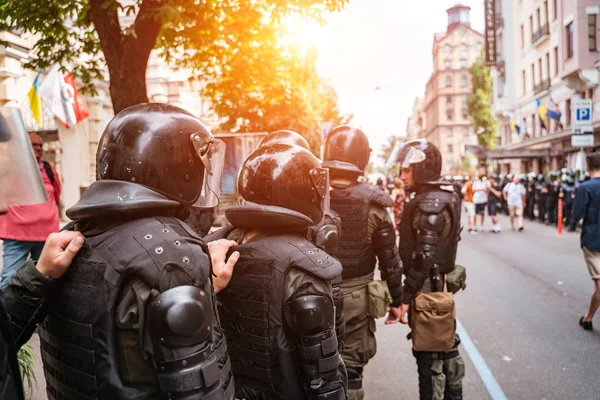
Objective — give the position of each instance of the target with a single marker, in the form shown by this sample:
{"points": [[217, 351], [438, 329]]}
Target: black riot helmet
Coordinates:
{"points": [[424, 157], [285, 137], [346, 149], [285, 176], [164, 148], [540, 177]]}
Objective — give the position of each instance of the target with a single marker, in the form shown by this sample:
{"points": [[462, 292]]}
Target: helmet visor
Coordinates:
{"points": [[212, 153], [20, 179], [410, 155]]}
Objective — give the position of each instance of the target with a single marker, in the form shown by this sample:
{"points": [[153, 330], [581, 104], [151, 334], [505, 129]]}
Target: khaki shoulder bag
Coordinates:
{"points": [[432, 319]]}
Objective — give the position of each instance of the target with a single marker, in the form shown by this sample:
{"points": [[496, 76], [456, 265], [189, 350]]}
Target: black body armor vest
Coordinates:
{"points": [[264, 354], [78, 341], [352, 204], [431, 199]]}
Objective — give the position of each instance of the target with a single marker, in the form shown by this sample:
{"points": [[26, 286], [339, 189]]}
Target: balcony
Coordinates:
{"points": [[540, 87], [540, 35], [499, 22]]}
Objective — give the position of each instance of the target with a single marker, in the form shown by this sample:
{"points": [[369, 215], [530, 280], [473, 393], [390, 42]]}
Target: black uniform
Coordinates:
{"points": [[430, 232], [530, 198], [278, 311], [136, 317], [568, 193], [367, 236], [543, 200], [552, 200]]}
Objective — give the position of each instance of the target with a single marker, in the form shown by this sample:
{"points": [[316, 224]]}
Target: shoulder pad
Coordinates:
{"points": [[435, 201], [375, 195], [218, 234], [309, 258]]}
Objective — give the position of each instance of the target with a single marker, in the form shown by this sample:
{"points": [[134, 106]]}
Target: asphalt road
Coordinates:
{"points": [[525, 294]]}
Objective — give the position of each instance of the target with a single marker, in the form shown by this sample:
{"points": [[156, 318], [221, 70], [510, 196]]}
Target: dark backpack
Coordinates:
{"points": [[51, 176]]}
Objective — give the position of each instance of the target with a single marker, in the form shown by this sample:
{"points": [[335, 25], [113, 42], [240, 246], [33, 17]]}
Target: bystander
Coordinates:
{"points": [[587, 206], [514, 194], [480, 198], [467, 191], [25, 228]]}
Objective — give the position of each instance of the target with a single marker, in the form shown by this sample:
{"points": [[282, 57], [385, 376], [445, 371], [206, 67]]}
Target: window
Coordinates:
{"points": [[448, 99], [447, 48], [449, 132], [447, 64], [556, 61], [463, 47], [592, 32], [449, 115], [466, 132], [540, 70], [448, 82], [531, 26], [533, 76], [464, 81], [548, 65], [554, 10], [478, 46], [464, 98], [538, 18], [464, 114], [522, 36], [568, 112], [545, 11], [569, 40], [463, 63], [524, 81], [450, 149]]}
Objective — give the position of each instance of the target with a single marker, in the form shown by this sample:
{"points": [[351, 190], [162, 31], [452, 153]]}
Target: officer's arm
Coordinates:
{"points": [[24, 300], [309, 315], [429, 228], [180, 326], [386, 248]]}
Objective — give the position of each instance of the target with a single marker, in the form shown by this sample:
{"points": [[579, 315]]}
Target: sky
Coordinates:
{"points": [[377, 55]]}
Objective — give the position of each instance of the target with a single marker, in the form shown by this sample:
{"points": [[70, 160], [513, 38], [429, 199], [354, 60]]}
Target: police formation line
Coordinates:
{"points": [[137, 315]]}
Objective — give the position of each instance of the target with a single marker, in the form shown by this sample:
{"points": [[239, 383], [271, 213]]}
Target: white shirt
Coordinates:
{"points": [[480, 197], [514, 194]]}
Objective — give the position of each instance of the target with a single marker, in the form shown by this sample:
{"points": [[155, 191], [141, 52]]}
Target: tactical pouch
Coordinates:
{"points": [[379, 299], [432, 319]]}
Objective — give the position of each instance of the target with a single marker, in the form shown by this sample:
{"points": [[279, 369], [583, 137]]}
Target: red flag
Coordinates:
{"points": [[81, 110]]}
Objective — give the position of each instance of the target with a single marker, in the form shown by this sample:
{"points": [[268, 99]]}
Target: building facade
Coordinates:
{"points": [[446, 122], [73, 151], [547, 53], [416, 122]]}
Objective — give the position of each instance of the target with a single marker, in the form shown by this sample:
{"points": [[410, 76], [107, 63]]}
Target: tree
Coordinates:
{"points": [[479, 104], [294, 97], [217, 39], [387, 148]]}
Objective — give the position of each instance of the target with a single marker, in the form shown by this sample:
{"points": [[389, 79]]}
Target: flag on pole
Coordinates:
{"points": [[35, 101], [59, 96], [513, 125], [79, 106], [542, 113], [554, 112]]}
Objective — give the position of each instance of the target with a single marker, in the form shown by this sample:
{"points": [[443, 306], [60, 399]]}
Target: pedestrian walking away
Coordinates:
{"points": [[430, 234], [587, 207]]}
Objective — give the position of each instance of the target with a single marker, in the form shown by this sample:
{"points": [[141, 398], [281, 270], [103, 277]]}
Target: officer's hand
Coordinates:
{"points": [[394, 315], [221, 269], [58, 253]]}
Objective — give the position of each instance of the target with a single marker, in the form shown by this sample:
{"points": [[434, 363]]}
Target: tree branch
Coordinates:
{"points": [[146, 27], [105, 18]]}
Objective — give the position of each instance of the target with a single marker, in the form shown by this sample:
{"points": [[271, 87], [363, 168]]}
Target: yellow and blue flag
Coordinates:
{"points": [[513, 125], [35, 101], [543, 113]]}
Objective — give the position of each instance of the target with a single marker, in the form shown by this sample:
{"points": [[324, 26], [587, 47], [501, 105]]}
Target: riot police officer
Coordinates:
{"points": [[544, 188], [552, 199], [367, 236], [567, 193], [278, 310], [430, 233], [530, 196], [325, 234], [136, 317]]}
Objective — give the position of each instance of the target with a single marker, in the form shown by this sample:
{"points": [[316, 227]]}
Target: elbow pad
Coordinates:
{"points": [[311, 320], [384, 242]]}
